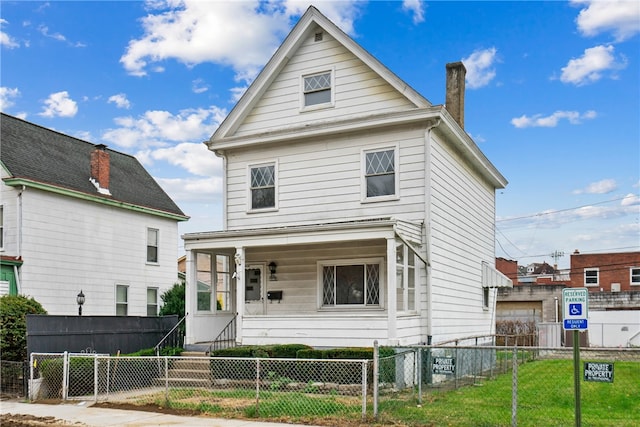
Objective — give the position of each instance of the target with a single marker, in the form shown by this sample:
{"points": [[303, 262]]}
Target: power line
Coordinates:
{"points": [[539, 214]]}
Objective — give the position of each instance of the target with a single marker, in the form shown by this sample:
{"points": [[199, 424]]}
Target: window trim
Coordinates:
{"points": [[250, 167], [382, 284], [126, 302], [591, 269], [303, 106], [408, 267], [631, 275], [157, 246], [363, 174]]}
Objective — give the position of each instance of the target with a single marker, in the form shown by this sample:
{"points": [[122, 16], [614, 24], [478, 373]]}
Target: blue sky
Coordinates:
{"points": [[553, 94]]}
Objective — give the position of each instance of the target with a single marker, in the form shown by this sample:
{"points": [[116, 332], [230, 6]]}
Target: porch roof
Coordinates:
{"points": [[340, 231]]}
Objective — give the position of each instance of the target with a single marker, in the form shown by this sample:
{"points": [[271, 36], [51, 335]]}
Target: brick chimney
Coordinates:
{"points": [[100, 169], [454, 101]]}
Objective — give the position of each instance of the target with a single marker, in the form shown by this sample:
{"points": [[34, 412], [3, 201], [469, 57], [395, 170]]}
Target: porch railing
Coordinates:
{"points": [[226, 338], [173, 338]]}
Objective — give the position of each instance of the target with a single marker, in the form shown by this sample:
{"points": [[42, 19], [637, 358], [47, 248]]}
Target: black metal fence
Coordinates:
{"points": [[14, 378], [95, 334]]}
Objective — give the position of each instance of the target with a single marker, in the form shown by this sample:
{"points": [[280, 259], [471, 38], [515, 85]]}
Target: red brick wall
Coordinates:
{"points": [[613, 268], [509, 268]]}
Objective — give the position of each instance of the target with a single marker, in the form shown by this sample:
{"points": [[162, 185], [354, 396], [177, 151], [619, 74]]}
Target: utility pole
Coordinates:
{"points": [[556, 255]]}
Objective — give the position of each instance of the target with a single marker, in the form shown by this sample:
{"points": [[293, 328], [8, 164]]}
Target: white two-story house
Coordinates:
{"points": [[354, 209], [78, 217]]}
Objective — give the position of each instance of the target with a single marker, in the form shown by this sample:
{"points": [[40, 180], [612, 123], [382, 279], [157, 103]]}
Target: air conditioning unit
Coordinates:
{"points": [[615, 287]]}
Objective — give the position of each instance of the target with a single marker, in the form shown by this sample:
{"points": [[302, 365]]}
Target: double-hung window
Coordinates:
{"points": [[317, 89], [122, 300], [351, 283], [380, 180], [152, 245], [405, 278], [634, 273], [152, 301], [262, 187], [591, 276]]}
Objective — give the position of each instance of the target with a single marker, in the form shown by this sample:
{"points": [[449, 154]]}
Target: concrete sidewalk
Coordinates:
{"points": [[83, 413]]}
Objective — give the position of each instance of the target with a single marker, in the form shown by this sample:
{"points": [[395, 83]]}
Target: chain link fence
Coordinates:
{"points": [[501, 386], [250, 387]]}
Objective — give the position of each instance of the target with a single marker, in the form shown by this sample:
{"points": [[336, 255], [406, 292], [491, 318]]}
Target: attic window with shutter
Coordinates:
{"points": [[317, 90]]}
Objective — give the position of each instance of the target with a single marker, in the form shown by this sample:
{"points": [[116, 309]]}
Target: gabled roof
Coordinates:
{"points": [[308, 23], [38, 157]]}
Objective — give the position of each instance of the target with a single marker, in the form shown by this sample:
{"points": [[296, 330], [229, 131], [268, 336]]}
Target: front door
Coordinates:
{"points": [[254, 290]]}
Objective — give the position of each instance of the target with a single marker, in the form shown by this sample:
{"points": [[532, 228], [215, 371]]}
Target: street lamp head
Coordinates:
{"points": [[80, 298]]}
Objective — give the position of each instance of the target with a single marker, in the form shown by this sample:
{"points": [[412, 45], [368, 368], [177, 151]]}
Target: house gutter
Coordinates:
{"points": [[427, 226]]}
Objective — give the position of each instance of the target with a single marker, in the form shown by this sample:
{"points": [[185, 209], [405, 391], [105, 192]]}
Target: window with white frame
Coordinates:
{"points": [[204, 275], [485, 297], [152, 301], [317, 89], [405, 278], [591, 276], [152, 245], [380, 178], [122, 300], [351, 283], [223, 283], [634, 273], [262, 180]]}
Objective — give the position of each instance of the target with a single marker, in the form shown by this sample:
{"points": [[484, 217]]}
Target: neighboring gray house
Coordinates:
{"points": [[354, 209], [78, 216]]}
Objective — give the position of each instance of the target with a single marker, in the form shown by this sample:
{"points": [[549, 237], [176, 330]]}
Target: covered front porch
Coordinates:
{"points": [[329, 285]]}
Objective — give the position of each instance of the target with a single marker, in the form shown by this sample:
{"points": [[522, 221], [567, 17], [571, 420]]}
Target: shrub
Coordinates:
{"points": [[13, 325]]}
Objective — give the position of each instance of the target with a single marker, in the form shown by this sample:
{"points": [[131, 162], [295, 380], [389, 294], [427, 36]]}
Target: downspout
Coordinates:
{"points": [[427, 226], [16, 271]]}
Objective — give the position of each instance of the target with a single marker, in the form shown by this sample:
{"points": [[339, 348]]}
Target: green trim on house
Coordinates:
{"points": [[15, 182]]}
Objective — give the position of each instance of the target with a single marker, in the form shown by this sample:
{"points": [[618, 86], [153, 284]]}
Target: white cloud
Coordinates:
{"points": [[59, 105], [161, 128], [199, 86], [6, 97], [479, 67], [192, 189], [590, 67], [630, 200], [197, 159], [416, 7], [538, 120], [600, 187], [620, 17], [44, 30], [240, 34], [120, 100], [5, 39]]}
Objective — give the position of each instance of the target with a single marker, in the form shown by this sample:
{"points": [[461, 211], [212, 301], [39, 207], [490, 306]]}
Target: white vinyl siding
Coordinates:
{"points": [[105, 244], [322, 180], [462, 237], [1, 227], [357, 89]]}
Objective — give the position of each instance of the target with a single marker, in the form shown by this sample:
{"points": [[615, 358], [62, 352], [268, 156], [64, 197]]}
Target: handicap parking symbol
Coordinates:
{"points": [[575, 309]]}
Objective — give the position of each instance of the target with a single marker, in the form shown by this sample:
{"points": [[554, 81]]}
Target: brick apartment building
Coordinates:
{"points": [[606, 272]]}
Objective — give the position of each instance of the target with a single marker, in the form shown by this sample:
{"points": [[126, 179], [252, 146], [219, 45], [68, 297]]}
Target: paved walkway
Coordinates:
{"points": [[82, 412]]}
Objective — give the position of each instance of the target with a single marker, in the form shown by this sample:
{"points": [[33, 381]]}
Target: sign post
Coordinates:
{"points": [[575, 313]]}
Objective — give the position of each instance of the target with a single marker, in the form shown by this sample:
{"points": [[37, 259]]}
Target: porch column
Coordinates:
{"points": [[191, 288], [239, 275], [392, 334]]}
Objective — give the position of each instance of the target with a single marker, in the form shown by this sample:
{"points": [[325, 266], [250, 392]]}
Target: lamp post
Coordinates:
{"points": [[80, 301]]}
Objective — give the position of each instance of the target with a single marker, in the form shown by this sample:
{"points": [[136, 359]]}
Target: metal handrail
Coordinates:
{"points": [[227, 335], [170, 333]]}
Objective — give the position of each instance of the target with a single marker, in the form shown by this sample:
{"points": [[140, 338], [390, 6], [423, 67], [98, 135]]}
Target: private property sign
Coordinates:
{"points": [[575, 302], [599, 372], [444, 365]]}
